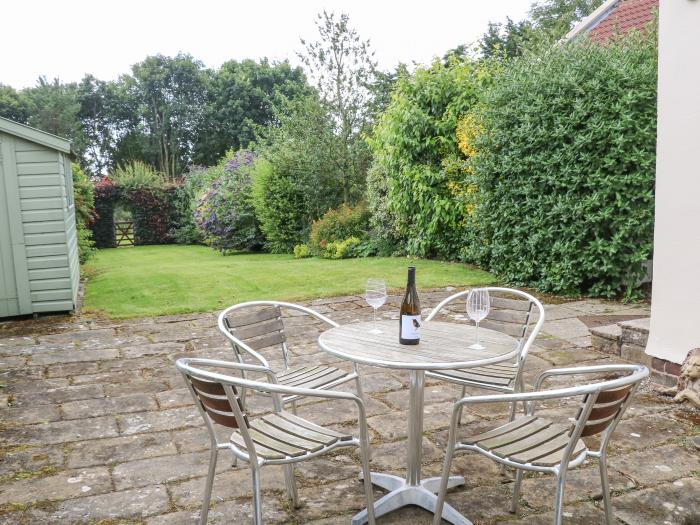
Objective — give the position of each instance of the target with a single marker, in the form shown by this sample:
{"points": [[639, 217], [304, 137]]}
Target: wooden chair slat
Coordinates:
{"points": [[217, 403], [226, 420], [509, 304], [312, 426], [291, 373], [506, 328], [514, 435], [543, 450], [555, 457], [310, 446], [264, 314], [322, 380], [266, 341], [262, 451], [275, 444], [532, 441], [307, 433], [517, 423], [207, 387], [601, 412], [607, 396], [309, 373], [256, 330]]}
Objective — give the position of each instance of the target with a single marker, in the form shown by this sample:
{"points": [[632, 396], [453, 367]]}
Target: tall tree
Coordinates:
{"points": [[13, 105], [557, 17], [240, 98], [342, 65], [505, 40], [172, 93]]}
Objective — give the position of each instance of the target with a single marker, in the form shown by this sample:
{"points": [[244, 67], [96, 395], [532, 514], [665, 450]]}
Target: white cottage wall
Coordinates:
{"points": [[675, 306]]}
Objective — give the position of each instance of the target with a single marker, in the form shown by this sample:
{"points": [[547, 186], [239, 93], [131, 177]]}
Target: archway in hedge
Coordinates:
{"points": [[152, 211]]}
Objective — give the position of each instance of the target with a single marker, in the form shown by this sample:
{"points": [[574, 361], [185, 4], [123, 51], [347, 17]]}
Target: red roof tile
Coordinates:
{"points": [[625, 16]]}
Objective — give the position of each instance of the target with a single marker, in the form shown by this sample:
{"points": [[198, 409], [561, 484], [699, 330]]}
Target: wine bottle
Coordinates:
{"points": [[409, 317]]}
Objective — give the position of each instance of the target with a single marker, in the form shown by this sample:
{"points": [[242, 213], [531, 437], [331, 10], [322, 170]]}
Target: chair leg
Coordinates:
{"points": [[291, 485], [559, 500], [516, 491], [208, 486], [294, 407], [257, 499], [442, 493], [464, 393], [602, 463]]}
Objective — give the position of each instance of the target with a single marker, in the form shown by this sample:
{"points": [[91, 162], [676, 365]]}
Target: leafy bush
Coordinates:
{"points": [[224, 214], [84, 199], [302, 251], [298, 176], [341, 249], [153, 213], [106, 195], [423, 200], [338, 224], [565, 168], [137, 175]]}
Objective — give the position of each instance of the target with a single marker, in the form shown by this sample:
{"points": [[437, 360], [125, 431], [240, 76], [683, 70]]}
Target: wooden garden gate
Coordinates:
{"points": [[124, 231]]}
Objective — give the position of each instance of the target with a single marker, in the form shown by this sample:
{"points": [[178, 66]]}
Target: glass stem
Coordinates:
{"points": [[477, 333], [375, 318]]}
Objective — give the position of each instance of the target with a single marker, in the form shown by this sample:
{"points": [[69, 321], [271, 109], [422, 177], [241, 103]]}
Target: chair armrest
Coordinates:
{"points": [[596, 369]]}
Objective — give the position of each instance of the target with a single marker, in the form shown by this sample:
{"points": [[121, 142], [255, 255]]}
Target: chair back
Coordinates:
{"points": [[512, 312], [601, 410], [259, 329], [218, 401]]}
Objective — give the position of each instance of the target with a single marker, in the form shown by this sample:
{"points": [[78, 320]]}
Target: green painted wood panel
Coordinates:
{"points": [[50, 273], [53, 306], [36, 155], [9, 304], [36, 168], [42, 204], [62, 283], [48, 249], [19, 255], [44, 227], [41, 239], [51, 295], [35, 192], [36, 263], [55, 214], [39, 180]]}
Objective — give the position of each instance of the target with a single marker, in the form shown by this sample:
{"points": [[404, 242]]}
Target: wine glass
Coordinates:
{"points": [[375, 295], [478, 305]]}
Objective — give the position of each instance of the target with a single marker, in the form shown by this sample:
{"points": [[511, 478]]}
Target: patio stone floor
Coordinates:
{"points": [[97, 427]]}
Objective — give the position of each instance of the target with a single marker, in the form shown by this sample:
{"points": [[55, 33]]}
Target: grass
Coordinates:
{"points": [[159, 280]]}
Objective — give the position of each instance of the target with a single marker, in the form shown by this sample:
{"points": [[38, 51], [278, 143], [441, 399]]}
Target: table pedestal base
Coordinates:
{"points": [[402, 494]]}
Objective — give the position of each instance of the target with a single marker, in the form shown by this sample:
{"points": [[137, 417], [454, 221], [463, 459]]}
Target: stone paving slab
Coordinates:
{"points": [[96, 426]]}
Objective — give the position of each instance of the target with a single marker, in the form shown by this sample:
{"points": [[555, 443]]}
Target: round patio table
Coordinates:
{"points": [[442, 346]]}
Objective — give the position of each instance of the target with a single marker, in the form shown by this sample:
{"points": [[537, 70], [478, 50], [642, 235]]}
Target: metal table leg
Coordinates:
{"points": [[412, 490]]}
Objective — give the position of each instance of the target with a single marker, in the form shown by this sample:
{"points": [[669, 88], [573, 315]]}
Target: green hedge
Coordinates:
{"points": [[419, 200], [565, 168]]}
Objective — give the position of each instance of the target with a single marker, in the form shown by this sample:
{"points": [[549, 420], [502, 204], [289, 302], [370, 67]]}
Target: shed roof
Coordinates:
{"points": [[34, 135], [615, 17]]}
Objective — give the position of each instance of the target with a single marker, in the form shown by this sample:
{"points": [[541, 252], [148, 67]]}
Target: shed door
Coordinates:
{"points": [[9, 304]]}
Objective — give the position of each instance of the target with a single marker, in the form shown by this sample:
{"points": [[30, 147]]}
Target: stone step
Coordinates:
{"points": [[607, 338]]}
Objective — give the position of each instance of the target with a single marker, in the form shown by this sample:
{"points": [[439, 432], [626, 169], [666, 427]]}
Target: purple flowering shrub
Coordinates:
{"points": [[223, 213]]}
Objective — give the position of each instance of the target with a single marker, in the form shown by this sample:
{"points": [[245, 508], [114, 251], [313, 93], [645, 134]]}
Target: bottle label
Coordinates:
{"points": [[410, 326]]}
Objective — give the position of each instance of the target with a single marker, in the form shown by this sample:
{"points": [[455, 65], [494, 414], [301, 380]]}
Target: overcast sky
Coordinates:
{"points": [[71, 38]]}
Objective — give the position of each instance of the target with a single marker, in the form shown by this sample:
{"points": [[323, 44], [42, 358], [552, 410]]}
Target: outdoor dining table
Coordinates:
{"points": [[442, 346]]}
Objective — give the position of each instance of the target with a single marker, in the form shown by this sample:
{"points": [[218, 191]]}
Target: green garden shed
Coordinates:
{"points": [[39, 267]]}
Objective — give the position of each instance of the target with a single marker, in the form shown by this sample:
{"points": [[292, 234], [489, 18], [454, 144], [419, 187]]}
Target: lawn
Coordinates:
{"points": [[159, 280]]}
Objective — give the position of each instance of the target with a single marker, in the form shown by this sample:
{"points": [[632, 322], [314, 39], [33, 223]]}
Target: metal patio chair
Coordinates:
{"points": [[257, 325], [277, 438], [536, 444], [509, 316]]}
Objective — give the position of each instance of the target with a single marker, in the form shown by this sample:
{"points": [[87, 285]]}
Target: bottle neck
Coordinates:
{"points": [[411, 276]]}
